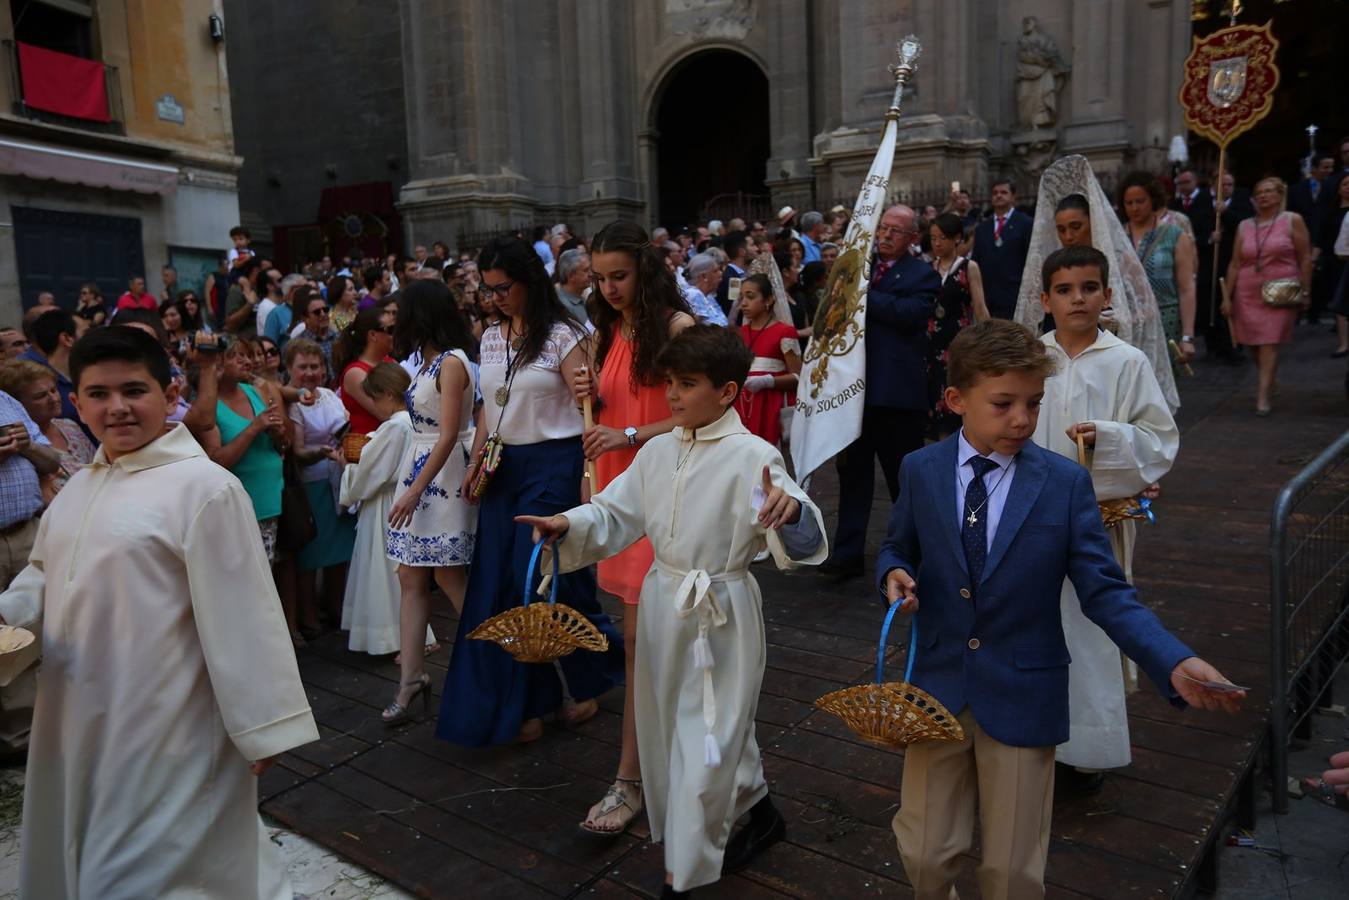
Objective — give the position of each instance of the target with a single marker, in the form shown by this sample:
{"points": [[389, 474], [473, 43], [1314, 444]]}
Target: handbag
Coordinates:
{"points": [[485, 466], [1281, 293], [489, 457], [296, 526]]}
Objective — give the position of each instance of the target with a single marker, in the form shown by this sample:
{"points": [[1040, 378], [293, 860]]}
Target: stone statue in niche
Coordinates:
{"points": [[703, 19], [1040, 71]]}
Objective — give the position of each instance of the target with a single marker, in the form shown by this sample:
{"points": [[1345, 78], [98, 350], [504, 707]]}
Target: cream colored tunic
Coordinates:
{"points": [[692, 494], [372, 599], [1112, 385], [167, 667]]}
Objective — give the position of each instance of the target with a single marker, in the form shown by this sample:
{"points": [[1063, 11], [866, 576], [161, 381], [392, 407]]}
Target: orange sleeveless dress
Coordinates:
{"points": [[622, 574]]}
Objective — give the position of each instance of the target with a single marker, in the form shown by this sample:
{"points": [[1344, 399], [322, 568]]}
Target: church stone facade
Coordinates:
{"points": [[525, 111]]}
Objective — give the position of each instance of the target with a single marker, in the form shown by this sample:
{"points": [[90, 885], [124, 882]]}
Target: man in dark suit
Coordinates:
{"points": [[900, 300], [736, 247], [1196, 202], [1001, 243], [1304, 198]]}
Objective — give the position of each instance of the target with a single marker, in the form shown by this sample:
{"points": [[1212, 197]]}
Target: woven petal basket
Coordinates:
{"points": [[541, 632], [352, 445], [895, 713]]}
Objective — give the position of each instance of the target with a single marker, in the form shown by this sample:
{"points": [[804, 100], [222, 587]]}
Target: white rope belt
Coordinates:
{"points": [[694, 596]]}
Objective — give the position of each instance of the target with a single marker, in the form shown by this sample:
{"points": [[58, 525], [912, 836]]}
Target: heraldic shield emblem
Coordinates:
{"points": [[1230, 77], [1226, 81]]}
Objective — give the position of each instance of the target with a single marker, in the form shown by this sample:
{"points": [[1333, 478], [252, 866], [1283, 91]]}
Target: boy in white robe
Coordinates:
{"points": [[710, 496], [1104, 390], [168, 679], [370, 606]]}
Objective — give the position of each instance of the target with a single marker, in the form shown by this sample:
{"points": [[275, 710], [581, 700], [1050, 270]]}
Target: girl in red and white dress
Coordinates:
{"points": [[771, 385]]}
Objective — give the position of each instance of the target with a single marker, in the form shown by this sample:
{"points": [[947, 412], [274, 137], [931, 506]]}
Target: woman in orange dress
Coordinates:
{"points": [[639, 309]]}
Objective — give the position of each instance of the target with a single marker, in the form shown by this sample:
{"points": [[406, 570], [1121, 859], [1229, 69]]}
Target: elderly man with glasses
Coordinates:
{"points": [[319, 329], [900, 301]]}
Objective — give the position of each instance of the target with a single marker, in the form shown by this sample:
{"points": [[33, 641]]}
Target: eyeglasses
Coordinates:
{"points": [[500, 290], [318, 311], [271, 351]]}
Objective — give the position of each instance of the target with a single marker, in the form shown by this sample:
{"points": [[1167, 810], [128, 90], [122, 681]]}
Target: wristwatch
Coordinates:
{"points": [[1187, 339], [631, 434]]}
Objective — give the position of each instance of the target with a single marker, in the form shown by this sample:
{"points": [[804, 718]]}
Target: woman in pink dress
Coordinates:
{"points": [[771, 385], [1271, 246], [639, 310]]}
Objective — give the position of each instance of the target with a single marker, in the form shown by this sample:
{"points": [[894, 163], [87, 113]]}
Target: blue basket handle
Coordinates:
{"points": [[885, 637], [533, 567]]}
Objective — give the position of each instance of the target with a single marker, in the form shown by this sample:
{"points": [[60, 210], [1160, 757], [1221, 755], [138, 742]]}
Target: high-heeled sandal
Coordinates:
{"points": [[614, 800], [396, 713]]}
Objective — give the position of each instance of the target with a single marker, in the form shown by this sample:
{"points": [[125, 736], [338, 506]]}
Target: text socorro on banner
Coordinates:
{"points": [[832, 388]]}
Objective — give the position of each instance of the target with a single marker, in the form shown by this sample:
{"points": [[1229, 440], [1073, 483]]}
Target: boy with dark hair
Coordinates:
{"points": [[168, 679], [1012, 521], [1106, 393], [710, 495], [240, 252]]}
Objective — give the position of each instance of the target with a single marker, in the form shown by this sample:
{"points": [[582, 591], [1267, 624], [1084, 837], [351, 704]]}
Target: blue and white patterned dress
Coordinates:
{"points": [[442, 529]]}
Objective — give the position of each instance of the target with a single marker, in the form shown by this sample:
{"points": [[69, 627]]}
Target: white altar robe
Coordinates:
{"points": [[1112, 385], [167, 667], [372, 599], [691, 495]]}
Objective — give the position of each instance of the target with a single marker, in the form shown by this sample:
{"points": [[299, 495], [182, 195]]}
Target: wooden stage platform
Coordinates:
{"points": [[443, 821]]}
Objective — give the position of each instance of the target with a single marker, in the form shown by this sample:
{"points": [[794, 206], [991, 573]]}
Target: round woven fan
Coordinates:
{"points": [[1115, 511], [541, 632], [894, 713], [352, 445]]}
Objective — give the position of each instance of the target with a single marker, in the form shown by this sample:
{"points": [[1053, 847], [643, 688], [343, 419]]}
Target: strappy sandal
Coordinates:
{"points": [[574, 713], [614, 800]]}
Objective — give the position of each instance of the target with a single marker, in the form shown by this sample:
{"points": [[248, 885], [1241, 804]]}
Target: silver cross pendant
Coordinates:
{"points": [[972, 519]]}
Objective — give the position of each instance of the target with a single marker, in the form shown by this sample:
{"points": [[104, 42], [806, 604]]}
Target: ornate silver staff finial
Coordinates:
{"points": [[907, 52]]}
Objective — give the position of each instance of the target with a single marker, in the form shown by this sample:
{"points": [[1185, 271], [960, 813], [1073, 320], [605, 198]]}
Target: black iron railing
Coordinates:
{"points": [[1309, 621]]}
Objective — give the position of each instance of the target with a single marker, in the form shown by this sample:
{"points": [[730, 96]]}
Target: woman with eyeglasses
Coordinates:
{"points": [[189, 307], [528, 363], [366, 342], [91, 305], [172, 317]]}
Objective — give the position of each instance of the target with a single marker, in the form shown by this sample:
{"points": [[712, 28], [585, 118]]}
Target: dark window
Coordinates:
{"points": [[55, 27]]}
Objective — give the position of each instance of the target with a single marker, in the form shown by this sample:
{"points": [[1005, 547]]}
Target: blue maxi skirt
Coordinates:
{"points": [[488, 695]]}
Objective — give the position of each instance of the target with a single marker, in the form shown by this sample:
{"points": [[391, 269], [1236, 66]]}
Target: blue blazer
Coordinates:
{"points": [[898, 309], [1002, 652], [1001, 267]]}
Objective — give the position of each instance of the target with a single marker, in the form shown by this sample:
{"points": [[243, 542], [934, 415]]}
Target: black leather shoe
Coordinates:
{"points": [[752, 840], [841, 569], [1069, 782]]}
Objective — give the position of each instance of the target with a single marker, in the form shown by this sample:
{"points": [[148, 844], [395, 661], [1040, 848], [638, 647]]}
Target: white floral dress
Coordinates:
{"points": [[441, 532]]}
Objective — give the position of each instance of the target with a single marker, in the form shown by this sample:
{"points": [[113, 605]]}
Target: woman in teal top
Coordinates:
{"points": [[246, 434], [1167, 254]]}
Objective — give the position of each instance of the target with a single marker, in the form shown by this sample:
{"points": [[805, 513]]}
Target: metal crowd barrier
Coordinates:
{"points": [[1309, 604]]}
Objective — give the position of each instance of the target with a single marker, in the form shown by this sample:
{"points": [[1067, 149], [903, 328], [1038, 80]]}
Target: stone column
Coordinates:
{"points": [[1097, 94], [609, 185]]}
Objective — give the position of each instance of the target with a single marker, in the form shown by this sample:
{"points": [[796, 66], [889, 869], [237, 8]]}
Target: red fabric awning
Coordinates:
{"points": [[64, 84]]}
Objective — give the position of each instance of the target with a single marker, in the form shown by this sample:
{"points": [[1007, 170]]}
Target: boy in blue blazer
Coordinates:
{"points": [[986, 528]]}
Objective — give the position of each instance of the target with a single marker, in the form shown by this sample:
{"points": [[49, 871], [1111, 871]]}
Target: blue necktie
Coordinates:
{"points": [[974, 525]]}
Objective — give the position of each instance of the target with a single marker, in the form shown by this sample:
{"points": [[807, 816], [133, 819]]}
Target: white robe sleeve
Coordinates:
{"points": [[610, 523], [21, 604], [377, 468], [781, 555], [1140, 446], [243, 635]]}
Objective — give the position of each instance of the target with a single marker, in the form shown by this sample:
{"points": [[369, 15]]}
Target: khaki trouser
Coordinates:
{"points": [[1014, 790], [18, 692]]}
